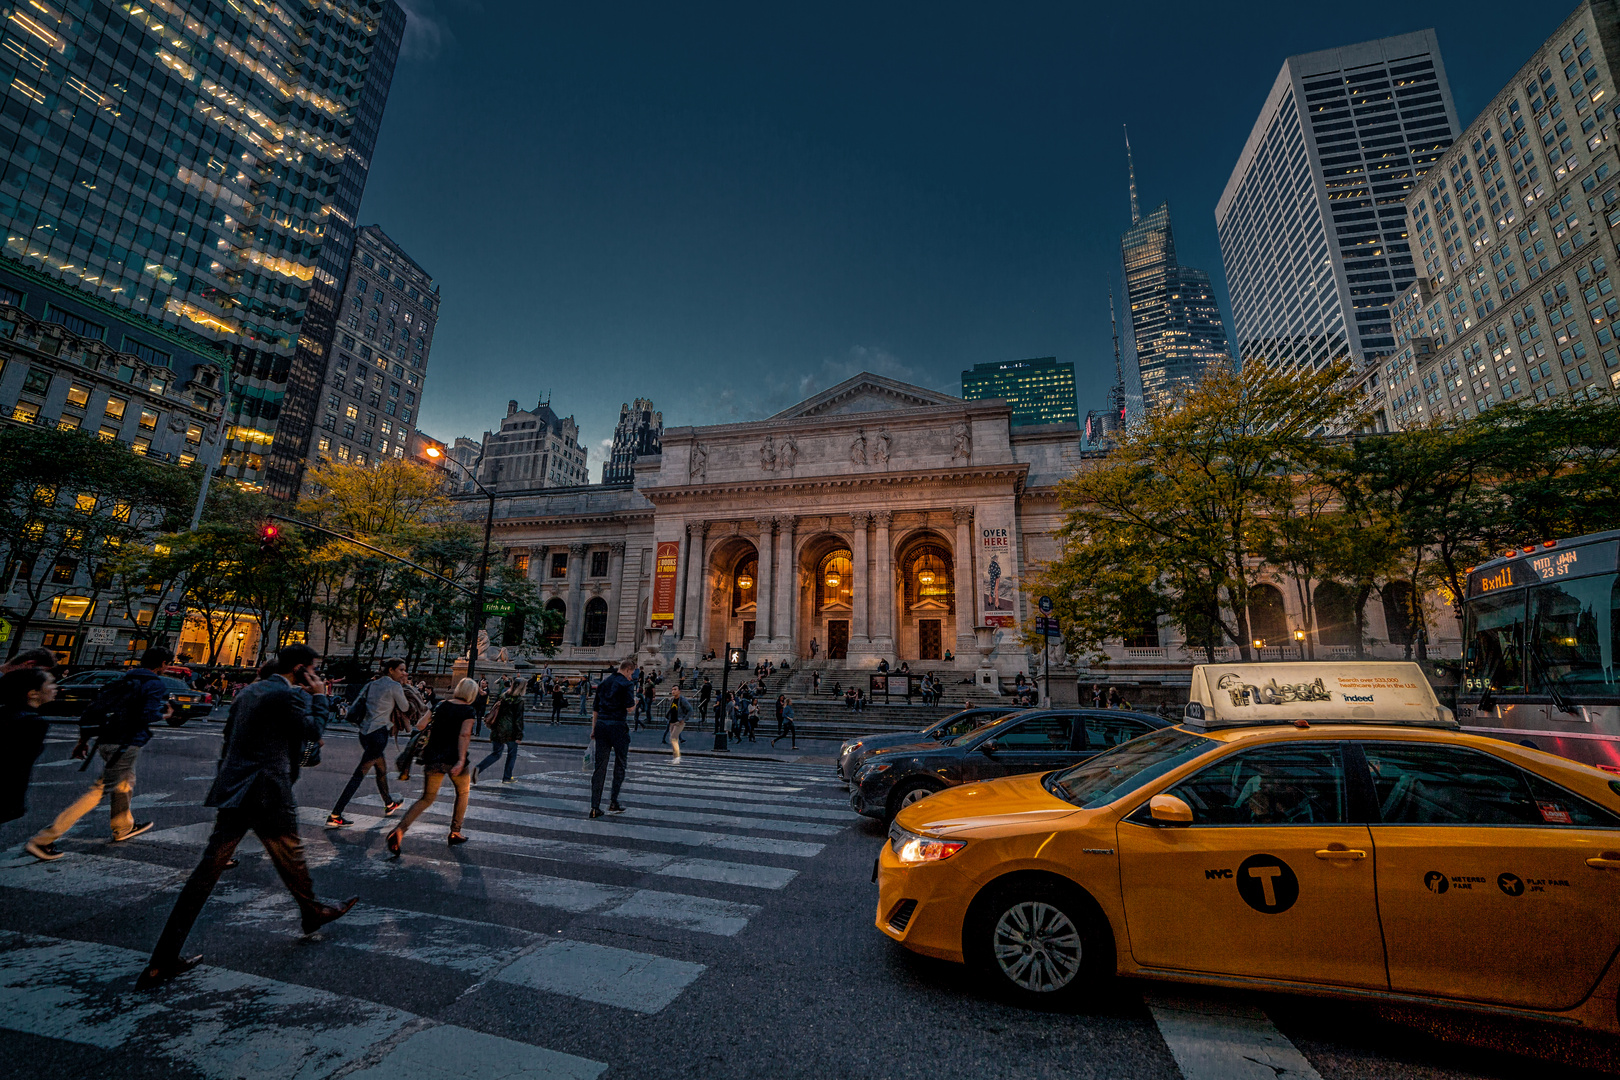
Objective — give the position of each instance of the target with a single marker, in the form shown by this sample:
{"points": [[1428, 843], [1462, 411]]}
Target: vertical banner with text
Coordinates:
{"points": [[997, 575], [663, 595]]}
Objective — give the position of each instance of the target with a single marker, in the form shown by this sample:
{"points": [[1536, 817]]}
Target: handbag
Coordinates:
{"points": [[312, 754], [588, 762]]}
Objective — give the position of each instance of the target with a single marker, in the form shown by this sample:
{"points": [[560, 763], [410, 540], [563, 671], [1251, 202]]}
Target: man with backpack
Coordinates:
{"points": [[120, 722], [373, 711], [271, 725]]}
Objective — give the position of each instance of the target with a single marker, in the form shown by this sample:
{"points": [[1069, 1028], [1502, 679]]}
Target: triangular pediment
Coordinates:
{"points": [[866, 393]]}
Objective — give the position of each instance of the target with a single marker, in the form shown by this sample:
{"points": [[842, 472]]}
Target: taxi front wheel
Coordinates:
{"points": [[1039, 941]]}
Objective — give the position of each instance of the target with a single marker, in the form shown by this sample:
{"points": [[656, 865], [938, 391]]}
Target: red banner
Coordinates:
{"points": [[663, 595]]}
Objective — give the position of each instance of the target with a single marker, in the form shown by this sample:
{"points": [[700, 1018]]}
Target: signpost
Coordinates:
{"points": [[1046, 625], [497, 606]]}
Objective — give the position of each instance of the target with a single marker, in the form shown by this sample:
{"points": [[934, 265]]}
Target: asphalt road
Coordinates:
{"points": [[722, 928]]}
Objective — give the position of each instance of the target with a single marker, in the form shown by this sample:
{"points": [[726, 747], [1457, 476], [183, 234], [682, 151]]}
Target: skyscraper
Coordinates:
{"points": [[201, 170], [1313, 223], [1104, 426], [640, 431], [1040, 391], [534, 448], [374, 383], [1176, 327]]}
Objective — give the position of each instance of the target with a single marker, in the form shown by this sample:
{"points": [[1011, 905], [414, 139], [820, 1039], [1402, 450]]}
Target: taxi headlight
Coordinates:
{"points": [[912, 849], [871, 769], [849, 747]]}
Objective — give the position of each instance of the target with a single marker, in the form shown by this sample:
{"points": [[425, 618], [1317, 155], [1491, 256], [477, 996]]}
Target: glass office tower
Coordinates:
{"points": [[200, 165], [1175, 321], [1040, 391], [1313, 221]]}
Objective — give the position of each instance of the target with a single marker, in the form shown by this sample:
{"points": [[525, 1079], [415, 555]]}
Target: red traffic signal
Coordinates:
{"points": [[269, 533]]}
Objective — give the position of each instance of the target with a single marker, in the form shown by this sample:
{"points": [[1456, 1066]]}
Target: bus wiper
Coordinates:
{"points": [[1560, 702]]}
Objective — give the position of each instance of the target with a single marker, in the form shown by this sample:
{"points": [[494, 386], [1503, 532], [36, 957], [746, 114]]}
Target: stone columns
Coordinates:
{"points": [[691, 573], [859, 631], [786, 607], [700, 622], [883, 590], [576, 579], [616, 575], [962, 569], [762, 585], [537, 564]]}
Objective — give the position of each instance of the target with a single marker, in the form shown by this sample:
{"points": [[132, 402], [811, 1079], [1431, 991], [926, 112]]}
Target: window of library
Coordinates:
{"points": [[599, 564], [559, 564]]}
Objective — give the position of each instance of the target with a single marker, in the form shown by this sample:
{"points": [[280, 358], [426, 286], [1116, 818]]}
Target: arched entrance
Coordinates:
{"points": [[1268, 619], [733, 595], [927, 598], [826, 597]]}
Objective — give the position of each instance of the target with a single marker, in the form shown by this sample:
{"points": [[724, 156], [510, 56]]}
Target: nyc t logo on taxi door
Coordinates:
{"points": [[1267, 884]]}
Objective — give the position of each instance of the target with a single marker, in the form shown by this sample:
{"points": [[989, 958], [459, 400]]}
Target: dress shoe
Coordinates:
{"points": [[322, 915], [154, 977]]}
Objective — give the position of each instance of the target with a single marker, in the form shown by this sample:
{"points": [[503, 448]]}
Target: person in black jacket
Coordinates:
{"points": [[23, 692], [269, 724], [139, 700], [611, 731]]}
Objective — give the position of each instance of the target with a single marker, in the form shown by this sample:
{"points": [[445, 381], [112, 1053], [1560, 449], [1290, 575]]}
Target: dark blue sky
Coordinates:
{"points": [[728, 208]]}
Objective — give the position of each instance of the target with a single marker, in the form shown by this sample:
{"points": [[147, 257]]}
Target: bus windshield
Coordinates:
{"points": [[1495, 643], [1574, 627]]}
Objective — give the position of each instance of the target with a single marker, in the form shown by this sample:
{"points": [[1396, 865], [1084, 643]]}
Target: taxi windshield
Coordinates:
{"points": [[1116, 773]]}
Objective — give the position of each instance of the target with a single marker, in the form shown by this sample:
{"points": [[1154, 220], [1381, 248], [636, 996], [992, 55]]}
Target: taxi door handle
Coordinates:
{"points": [[1609, 860], [1341, 853]]}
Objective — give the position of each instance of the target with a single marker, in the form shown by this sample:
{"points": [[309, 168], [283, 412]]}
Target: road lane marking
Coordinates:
{"points": [[646, 795], [89, 875], [1225, 1040], [681, 817], [449, 1052], [629, 980]]}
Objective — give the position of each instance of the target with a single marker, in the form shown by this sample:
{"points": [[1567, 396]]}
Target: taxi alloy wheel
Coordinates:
{"points": [[1037, 947]]}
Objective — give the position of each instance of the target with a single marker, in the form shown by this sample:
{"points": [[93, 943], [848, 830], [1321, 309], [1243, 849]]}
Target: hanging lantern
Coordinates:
{"points": [[925, 576], [745, 581], [833, 580]]}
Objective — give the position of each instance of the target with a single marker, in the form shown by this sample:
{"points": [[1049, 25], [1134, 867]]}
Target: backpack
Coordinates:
{"points": [[358, 707], [114, 714]]}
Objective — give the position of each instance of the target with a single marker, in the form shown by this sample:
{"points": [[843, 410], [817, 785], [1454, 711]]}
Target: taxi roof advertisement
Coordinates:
{"points": [[1381, 692]]}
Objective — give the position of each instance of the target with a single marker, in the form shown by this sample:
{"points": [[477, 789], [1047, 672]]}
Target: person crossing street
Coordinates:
{"points": [[679, 712], [383, 696], [610, 730], [270, 723], [505, 732]]}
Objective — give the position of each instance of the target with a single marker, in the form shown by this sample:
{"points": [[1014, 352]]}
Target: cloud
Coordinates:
{"points": [[427, 32]]}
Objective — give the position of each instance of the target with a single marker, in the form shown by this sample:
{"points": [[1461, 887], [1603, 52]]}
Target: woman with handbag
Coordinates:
{"points": [[449, 731], [505, 732]]}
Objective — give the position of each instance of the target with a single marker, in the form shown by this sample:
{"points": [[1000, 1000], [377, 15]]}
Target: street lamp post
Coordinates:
{"points": [[433, 453]]}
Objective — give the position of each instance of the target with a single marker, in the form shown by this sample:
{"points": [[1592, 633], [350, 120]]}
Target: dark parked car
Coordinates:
{"points": [[1034, 741], [76, 692], [856, 751]]}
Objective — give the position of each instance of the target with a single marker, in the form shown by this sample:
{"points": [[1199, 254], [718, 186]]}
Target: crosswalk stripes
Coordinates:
{"points": [[525, 820]]}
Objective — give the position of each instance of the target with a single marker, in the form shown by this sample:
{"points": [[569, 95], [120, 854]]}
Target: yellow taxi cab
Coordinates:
{"points": [[1316, 828]]}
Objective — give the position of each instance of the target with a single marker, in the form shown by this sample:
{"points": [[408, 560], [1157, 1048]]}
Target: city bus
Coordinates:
{"points": [[1541, 640]]}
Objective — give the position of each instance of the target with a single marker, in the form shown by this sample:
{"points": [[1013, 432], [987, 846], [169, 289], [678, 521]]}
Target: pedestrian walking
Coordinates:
{"points": [[679, 712], [585, 695], [505, 732], [270, 723], [23, 692], [481, 704], [558, 703], [1113, 697], [120, 722], [784, 725], [30, 658], [379, 700], [705, 697], [449, 731], [611, 731]]}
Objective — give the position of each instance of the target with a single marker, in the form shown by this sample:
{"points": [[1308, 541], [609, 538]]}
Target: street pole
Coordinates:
{"points": [[725, 679], [478, 601]]}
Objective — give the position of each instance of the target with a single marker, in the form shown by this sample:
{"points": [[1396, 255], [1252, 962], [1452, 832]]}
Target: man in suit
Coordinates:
{"points": [[269, 724]]}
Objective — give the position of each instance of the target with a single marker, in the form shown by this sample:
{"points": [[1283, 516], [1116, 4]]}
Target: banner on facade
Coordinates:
{"points": [[663, 597], [997, 580]]}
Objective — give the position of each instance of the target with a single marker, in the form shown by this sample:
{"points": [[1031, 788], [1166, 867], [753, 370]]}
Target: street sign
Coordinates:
{"points": [[169, 623], [1047, 626], [1046, 605], [171, 609], [101, 635], [499, 607]]}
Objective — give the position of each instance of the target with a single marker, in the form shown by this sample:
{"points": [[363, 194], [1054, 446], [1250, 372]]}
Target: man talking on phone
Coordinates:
{"points": [[269, 724]]}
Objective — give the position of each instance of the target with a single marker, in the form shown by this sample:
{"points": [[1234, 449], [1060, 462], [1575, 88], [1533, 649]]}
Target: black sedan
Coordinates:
{"points": [[76, 692], [1028, 742], [856, 751]]}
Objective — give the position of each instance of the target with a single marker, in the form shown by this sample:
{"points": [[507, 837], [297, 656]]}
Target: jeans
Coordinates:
{"points": [[286, 853], [675, 730], [432, 780], [495, 751], [118, 775], [373, 751], [556, 712], [614, 735]]}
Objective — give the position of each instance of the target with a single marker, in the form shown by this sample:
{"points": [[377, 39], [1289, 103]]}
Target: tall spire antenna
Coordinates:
{"points": [[1136, 213]]}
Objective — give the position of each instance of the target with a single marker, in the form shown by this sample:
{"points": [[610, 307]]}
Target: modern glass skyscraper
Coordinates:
{"points": [[1176, 327], [200, 165], [1040, 391], [1313, 222]]}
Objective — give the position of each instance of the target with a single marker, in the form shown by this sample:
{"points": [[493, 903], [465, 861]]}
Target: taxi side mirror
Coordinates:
{"points": [[1169, 810], [988, 748]]}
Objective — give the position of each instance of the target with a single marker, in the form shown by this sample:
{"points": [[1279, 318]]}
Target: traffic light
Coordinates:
{"points": [[269, 533]]}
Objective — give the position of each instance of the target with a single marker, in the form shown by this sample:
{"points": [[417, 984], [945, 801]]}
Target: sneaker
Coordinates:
{"points": [[508, 780], [136, 830], [615, 808], [596, 812], [392, 806], [337, 821], [475, 776], [43, 852]]}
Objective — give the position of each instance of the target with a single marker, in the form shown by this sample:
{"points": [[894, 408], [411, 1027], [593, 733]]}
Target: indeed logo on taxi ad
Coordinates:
{"points": [[1358, 697]]}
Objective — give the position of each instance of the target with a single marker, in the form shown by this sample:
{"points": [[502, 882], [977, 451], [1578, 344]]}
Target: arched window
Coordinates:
{"points": [[595, 632], [834, 584], [744, 585], [1268, 620], [928, 578], [1335, 615], [1398, 612], [554, 634]]}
